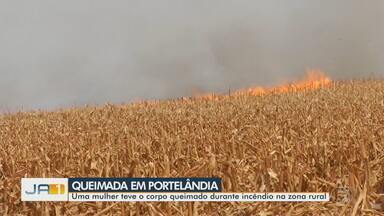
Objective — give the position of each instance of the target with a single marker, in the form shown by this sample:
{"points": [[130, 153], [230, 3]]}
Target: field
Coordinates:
{"points": [[317, 140]]}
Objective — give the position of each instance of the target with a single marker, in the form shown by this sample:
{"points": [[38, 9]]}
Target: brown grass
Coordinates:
{"points": [[312, 141]]}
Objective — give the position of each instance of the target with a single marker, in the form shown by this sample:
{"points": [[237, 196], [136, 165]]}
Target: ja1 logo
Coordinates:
{"points": [[47, 188], [44, 189]]}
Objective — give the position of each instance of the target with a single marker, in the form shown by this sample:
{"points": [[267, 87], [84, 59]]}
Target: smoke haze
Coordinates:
{"points": [[74, 52]]}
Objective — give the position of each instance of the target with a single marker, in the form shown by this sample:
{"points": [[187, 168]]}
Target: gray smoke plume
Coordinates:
{"points": [[74, 52]]}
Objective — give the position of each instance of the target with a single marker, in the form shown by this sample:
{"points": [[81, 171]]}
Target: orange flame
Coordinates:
{"points": [[315, 79]]}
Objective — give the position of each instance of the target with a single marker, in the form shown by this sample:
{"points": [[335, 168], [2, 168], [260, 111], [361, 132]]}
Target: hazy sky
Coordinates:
{"points": [[75, 52]]}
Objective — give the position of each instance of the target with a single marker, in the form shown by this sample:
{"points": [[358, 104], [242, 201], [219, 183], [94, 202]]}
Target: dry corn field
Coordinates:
{"points": [[324, 140]]}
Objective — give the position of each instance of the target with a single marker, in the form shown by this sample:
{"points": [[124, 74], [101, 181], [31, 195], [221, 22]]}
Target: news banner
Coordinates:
{"points": [[148, 190]]}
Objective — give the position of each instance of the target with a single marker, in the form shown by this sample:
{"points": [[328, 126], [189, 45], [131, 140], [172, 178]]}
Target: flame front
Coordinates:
{"points": [[314, 79]]}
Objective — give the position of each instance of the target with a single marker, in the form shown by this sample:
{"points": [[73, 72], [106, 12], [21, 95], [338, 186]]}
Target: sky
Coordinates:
{"points": [[69, 53]]}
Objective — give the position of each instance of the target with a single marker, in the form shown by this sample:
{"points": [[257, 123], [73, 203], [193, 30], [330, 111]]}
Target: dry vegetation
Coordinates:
{"points": [[309, 141]]}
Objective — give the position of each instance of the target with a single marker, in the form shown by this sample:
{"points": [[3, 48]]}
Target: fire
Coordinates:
{"points": [[314, 79]]}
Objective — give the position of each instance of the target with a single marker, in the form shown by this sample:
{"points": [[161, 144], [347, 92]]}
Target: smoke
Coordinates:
{"points": [[68, 53]]}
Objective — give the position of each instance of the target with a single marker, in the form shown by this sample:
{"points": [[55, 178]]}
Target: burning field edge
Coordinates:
{"points": [[326, 138]]}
